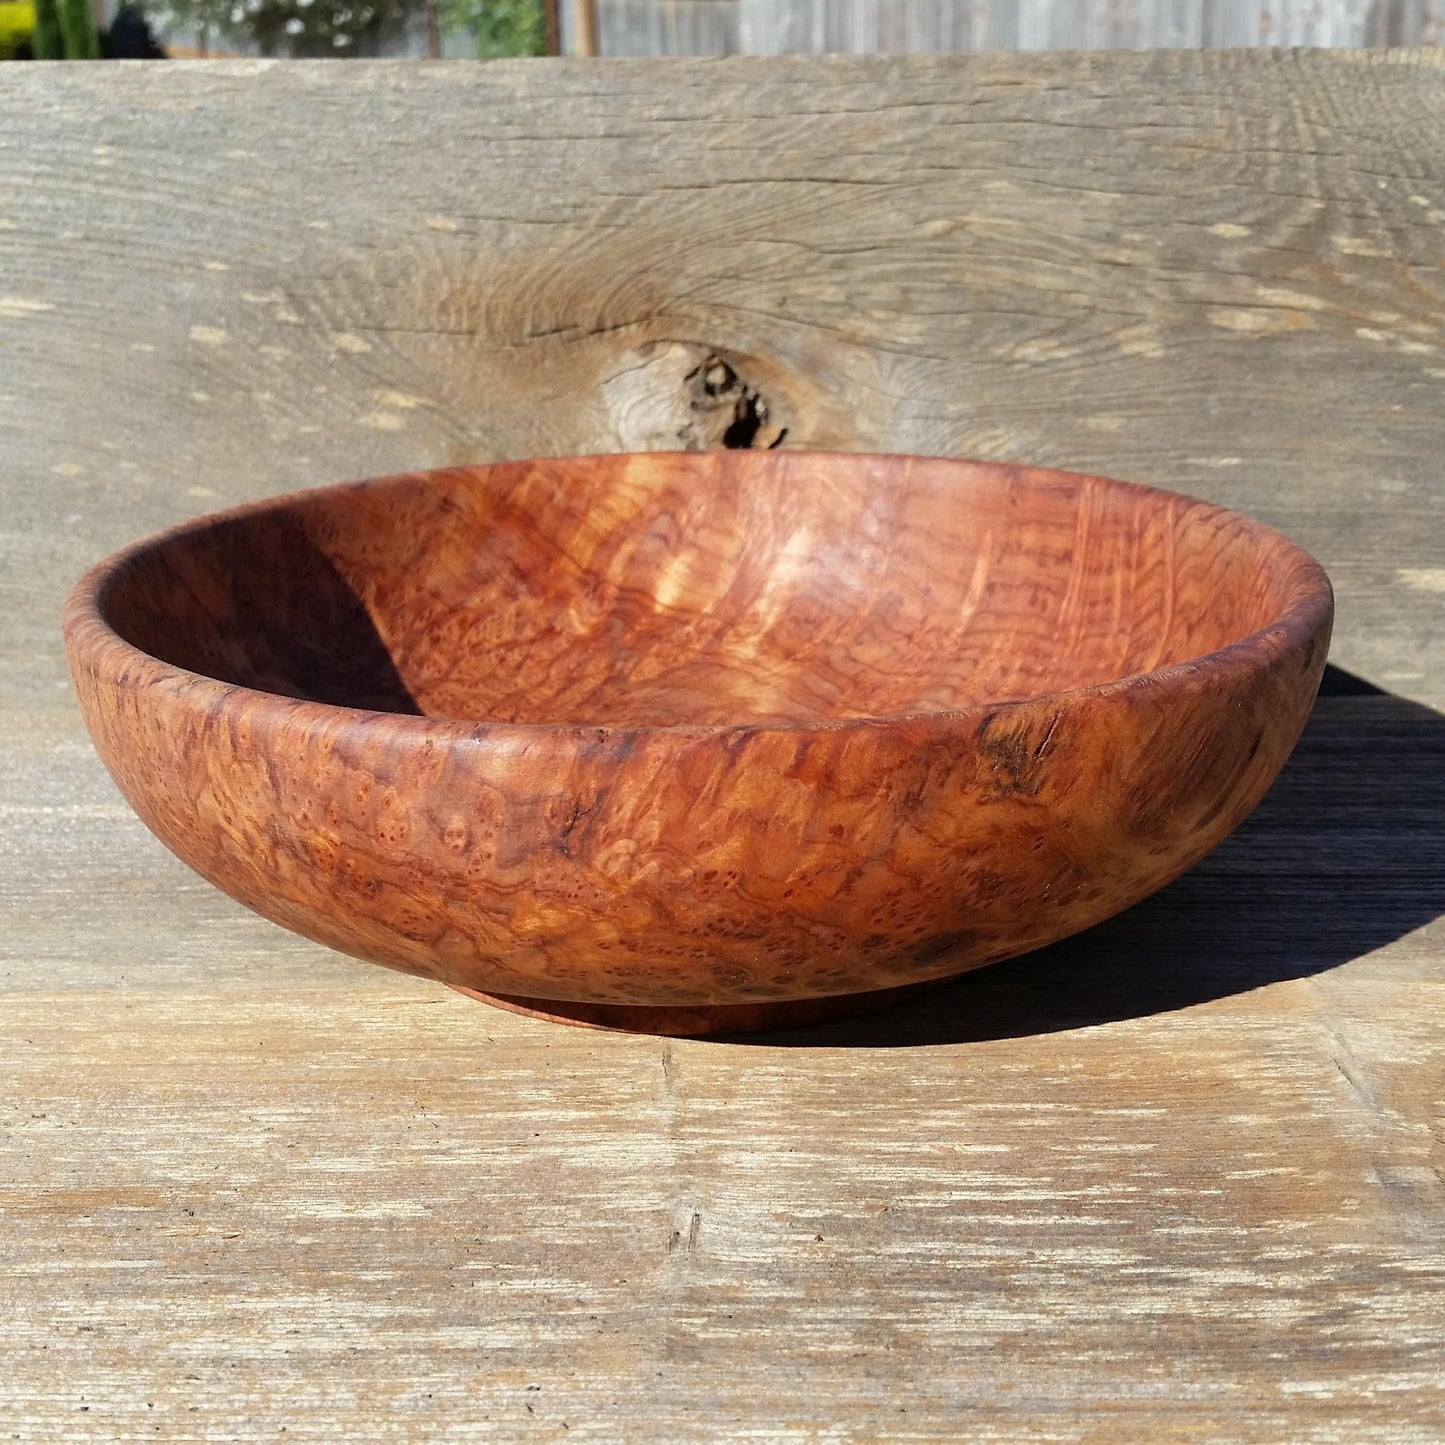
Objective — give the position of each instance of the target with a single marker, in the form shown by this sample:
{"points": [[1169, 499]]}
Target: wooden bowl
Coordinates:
{"points": [[705, 742]]}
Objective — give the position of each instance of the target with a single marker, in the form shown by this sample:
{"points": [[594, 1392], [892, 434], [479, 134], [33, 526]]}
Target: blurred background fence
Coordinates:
{"points": [[453, 28], [771, 27]]}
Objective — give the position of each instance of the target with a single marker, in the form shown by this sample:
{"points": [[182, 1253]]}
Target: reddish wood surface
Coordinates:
{"points": [[725, 736]]}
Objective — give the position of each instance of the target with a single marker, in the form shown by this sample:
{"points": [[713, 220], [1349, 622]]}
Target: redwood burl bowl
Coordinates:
{"points": [[705, 742]]}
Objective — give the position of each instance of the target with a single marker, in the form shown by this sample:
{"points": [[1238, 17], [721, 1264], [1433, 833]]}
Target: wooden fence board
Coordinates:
{"points": [[773, 27]]}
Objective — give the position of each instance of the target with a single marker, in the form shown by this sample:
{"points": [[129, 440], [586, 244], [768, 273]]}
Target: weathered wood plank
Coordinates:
{"points": [[374, 1217], [1219, 273], [1178, 1179], [1121, 1188]]}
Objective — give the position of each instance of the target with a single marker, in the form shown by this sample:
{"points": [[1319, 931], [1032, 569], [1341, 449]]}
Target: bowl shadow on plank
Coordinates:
{"points": [[1344, 855]]}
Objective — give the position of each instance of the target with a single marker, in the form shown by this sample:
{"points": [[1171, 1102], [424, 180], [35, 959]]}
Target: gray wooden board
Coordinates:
{"points": [[1219, 272], [1178, 1179]]}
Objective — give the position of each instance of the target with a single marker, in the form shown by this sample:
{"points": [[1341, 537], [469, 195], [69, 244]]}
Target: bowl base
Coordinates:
{"points": [[682, 1021]]}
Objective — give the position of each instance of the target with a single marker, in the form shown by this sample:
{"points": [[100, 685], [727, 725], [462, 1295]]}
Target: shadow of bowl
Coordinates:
{"points": [[1345, 854]]}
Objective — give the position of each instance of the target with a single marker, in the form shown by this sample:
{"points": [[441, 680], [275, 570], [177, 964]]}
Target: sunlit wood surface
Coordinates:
{"points": [[1179, 1178]]}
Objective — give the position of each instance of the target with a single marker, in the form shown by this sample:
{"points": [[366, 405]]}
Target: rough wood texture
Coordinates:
{"points": [[1218, 273], [711, 732], [1176, 1179]]}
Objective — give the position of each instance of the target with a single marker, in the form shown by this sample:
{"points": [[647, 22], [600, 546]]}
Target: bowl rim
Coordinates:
{"points": [[90, 640]]}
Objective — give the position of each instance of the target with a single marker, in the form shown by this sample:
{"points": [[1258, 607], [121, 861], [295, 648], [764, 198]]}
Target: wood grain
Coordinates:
{"points": [[1121, 1188], [1177, 1179], [710, 735], [1219, 273]]}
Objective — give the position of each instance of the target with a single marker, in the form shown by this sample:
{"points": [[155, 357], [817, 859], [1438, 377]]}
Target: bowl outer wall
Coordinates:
{"points": [[699, 865]]}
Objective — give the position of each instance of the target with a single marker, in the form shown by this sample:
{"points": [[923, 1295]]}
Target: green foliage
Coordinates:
{"points": [[295, 27], [17, 27], [61, 30], [211, 16], [345, 27], [78, 37], [318, 27], [48, 44], [502, 27]]}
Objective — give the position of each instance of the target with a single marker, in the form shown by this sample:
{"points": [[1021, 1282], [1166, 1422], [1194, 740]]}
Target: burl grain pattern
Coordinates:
{"points": [[700, 742]]}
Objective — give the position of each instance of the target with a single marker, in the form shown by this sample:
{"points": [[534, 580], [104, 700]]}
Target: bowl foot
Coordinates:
{"points": [[685, 1022]]}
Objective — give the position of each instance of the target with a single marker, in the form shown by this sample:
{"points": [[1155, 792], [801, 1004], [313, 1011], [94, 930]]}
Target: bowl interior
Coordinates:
{"points": [[710, 588]]}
